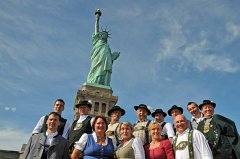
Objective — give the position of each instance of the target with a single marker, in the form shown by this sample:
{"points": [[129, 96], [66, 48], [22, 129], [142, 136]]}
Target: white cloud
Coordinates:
{"points": [[168, 79], [190, 43], [200, 54], [6, 108], [214, 62], [233, 31], [12, 139], [172, 42], [12, 109], [150, 108]]}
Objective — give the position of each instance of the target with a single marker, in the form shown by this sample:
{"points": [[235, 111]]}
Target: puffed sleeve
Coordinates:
{"points": [[168, 149], [81, 143], [138, 148]]}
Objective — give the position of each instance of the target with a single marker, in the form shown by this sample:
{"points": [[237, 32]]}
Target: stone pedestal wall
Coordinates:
{"points": [[100, 96]]}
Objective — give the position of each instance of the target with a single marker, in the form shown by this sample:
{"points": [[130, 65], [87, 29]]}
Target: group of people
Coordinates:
{"points": [[205, 136]]}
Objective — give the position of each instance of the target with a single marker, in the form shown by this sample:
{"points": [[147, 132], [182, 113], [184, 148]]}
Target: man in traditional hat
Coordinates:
{"points": [[174, 111], [115, 113], [221, 132], [48, 145], [82, 125], [189, 143], [197, 116], [141, 126], [64, 126], [167, 128]]}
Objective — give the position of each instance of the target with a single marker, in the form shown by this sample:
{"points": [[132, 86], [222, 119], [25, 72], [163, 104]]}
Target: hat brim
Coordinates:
{"points": [[78, 105], [163, 113], [148, 111], [112, 110], [179, 108], [201, 105]]}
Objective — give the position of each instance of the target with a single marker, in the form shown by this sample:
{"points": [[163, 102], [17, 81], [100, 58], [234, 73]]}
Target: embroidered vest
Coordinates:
{"points": [[74, 135], [183, 144]]}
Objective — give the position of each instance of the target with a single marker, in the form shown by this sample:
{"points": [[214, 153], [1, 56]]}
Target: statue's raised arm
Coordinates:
{"points": [[101, 56], [98, 14]]}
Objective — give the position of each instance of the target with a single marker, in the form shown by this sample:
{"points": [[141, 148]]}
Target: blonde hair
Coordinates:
{"points": [[154, 124], [127, 123]]}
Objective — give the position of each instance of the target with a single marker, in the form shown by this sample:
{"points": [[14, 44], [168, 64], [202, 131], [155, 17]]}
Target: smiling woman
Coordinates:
{"points": [[95, 145], [158, 148], [131, 147]]}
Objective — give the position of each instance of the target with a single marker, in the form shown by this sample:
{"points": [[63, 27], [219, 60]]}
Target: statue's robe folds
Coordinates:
{"points": [[102, 61]]}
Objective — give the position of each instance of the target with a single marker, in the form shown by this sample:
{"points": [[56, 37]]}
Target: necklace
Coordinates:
{"points": [[101, 138]]}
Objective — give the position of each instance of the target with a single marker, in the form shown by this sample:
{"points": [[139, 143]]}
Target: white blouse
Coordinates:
{"points": [[81, 143]]}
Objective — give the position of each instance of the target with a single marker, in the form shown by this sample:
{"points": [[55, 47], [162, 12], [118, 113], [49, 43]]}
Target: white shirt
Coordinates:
{"points": [[137, 146], [49, 138], [201, 148], [81, 143], [168, 129], [195, 121], [82, 118], [39, 126]]}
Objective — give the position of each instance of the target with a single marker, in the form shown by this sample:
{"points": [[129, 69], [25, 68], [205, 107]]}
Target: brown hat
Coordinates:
{"points": [[144, 107], [159, 111], [207, 102], [175, 107], [114, 108], [84, 102]]}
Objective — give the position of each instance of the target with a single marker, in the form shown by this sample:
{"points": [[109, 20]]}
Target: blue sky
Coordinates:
{"points": [[172, 52]]}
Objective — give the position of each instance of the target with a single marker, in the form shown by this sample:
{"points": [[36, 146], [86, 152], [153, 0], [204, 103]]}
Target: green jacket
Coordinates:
{"points": [[223, 137]]}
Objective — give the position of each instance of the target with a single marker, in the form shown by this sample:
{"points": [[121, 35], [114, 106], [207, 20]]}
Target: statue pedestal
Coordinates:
{"points": [[100, 96]]}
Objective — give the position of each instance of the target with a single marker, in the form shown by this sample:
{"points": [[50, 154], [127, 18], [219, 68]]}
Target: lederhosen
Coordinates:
{"points": [[113, 134], [144, 130]]}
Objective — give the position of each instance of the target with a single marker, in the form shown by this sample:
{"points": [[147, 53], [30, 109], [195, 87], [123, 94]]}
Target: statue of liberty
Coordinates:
{"points": [[101, 56]]}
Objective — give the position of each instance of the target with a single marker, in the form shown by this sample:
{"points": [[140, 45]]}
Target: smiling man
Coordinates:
{"points": [[49, 145], [190, 144], [64, 126], [197, 116], [220, 132]]}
